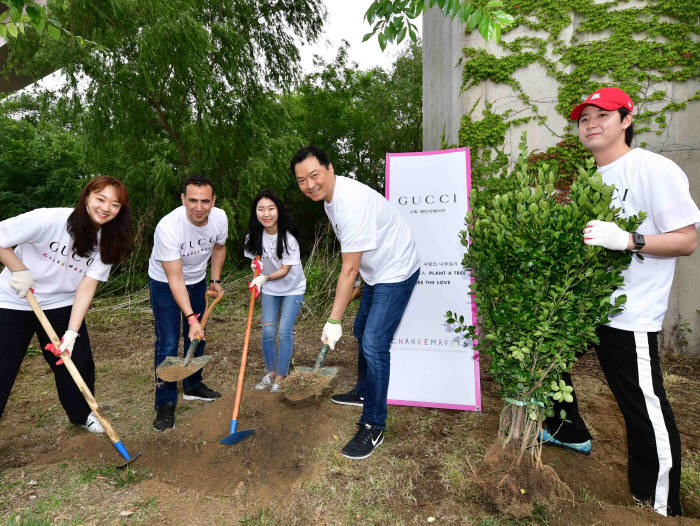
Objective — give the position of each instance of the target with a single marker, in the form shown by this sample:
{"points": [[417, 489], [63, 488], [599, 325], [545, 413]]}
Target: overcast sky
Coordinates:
{"points": [[346, 21]]}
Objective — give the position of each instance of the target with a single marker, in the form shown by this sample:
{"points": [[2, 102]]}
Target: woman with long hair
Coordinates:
{"points": [[273, 236], [61, 254]]}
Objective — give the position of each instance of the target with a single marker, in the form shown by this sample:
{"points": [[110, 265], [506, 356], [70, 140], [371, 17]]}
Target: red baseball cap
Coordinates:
{"points": [[606, 98]]}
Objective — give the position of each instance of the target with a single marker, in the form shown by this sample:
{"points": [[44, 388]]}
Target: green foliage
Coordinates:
{"points": [[40, 160], [179, 87], [393, 18], [197, 86], [28, 13], [359, 116], [541, 292]]}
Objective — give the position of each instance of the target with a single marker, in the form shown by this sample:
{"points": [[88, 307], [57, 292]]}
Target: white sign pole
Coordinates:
{"points": [[431, 365]]}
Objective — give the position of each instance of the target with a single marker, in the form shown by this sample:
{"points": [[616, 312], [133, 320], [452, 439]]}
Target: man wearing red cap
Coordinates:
{"points": [[628, 350]]}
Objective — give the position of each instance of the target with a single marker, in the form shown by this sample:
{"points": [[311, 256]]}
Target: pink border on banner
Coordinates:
{"points": [[477, 376], [435, 405]]}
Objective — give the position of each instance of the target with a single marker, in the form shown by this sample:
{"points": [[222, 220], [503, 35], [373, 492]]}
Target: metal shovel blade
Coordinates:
{"points": [[330, 372], [173, 368], [129, 461], [236, 436], [307, 384]]}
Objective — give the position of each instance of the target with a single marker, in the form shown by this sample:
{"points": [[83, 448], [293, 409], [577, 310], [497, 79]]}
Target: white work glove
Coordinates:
{"points": [[605, 234], [358, 283], [331, 333], [257, 283], [256, 264], [68, 341], [21, 281]]}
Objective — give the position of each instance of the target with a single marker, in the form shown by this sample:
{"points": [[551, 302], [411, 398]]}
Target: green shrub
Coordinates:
{"points": [[540, 292]]}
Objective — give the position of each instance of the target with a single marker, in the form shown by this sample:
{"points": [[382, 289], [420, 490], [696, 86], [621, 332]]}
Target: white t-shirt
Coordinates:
{"points": [[646, 181], [364, 221], [176, 238], [43, 244], [294, 283]]}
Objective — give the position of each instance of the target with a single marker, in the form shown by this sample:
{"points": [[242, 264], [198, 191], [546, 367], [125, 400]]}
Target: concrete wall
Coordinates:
{"points": [[444, 104]]}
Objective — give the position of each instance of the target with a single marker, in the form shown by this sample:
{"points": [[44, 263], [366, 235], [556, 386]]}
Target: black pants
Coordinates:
{"points": [[630, 362], [17, 328]]}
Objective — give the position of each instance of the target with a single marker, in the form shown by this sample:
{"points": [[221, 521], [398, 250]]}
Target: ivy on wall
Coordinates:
{"points": [[640, 47]]}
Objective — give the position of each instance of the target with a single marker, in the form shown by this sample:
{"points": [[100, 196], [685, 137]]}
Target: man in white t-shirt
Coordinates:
{"points": [[628, 350], [184, 242], [376, 242]]}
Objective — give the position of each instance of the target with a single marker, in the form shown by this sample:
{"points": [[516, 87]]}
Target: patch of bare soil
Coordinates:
{"points": [[191, 456]]}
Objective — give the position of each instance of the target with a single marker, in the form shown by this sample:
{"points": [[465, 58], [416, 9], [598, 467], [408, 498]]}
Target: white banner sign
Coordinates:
{"points": [[430, 364]]}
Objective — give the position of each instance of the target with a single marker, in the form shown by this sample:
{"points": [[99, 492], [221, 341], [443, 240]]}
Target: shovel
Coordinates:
{"points": [[174, 368], [46, 324], [236, 436], [318, 377]]}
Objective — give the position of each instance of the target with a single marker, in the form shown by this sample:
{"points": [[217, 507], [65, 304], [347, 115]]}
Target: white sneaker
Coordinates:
{"points": [[275, 388], [265, 383], [92, 424]]}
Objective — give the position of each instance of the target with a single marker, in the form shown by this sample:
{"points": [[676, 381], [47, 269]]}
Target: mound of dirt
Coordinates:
{"points": [[303, 387], [190, 456]]}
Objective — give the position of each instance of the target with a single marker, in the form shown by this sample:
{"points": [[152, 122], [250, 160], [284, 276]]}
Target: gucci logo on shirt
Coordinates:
{"points": [[197, 246], [63, 256]]}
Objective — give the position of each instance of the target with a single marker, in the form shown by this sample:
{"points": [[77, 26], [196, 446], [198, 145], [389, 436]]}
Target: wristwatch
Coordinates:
{"points": [[638, 240]]}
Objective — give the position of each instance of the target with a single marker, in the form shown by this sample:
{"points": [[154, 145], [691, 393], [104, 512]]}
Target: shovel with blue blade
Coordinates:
{"points": [[82, 386], [234, 437]]}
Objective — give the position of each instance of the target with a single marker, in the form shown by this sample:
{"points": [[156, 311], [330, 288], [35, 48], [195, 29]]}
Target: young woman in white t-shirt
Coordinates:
{"points": [[61, 254], [273, 236]]}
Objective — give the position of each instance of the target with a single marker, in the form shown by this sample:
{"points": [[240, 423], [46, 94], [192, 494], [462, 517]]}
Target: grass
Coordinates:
{"points": [[690, 481], [263, 517], [72, 493]]}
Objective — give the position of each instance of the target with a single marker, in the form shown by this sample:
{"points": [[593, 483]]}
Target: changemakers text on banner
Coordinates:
{"points": [[431, 365]]}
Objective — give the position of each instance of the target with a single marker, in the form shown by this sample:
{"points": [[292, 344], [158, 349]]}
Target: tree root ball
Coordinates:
{"points": [[515, 489]]}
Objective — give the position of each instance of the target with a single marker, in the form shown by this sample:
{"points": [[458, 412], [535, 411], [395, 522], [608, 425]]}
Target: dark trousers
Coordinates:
{"points": [[380, 312], [630, 362], [169, 321], [17, 328]]}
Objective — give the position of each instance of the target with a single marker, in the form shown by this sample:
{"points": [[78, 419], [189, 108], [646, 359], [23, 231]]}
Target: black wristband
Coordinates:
{"points": [[214, 281], [189, 316]]}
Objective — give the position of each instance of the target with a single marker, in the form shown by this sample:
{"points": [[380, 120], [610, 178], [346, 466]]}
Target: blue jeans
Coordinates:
{"points": [[277, 359], [169, 320], [380, 312]]}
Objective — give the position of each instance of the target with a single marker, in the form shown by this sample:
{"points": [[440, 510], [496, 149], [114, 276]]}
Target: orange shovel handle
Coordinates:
{"points": [[244, 356]]}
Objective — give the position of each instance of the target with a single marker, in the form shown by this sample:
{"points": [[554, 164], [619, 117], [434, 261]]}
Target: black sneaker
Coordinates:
{"points": [[201, 392], [165, 418], [352, 397], [366, 440]]}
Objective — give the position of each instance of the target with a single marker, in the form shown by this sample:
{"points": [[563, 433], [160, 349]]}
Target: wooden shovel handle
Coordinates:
{"points": [[210, 305], [72, 369]]}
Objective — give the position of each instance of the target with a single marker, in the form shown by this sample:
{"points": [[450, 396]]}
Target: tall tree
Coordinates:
{"points": [[176, 86]]}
